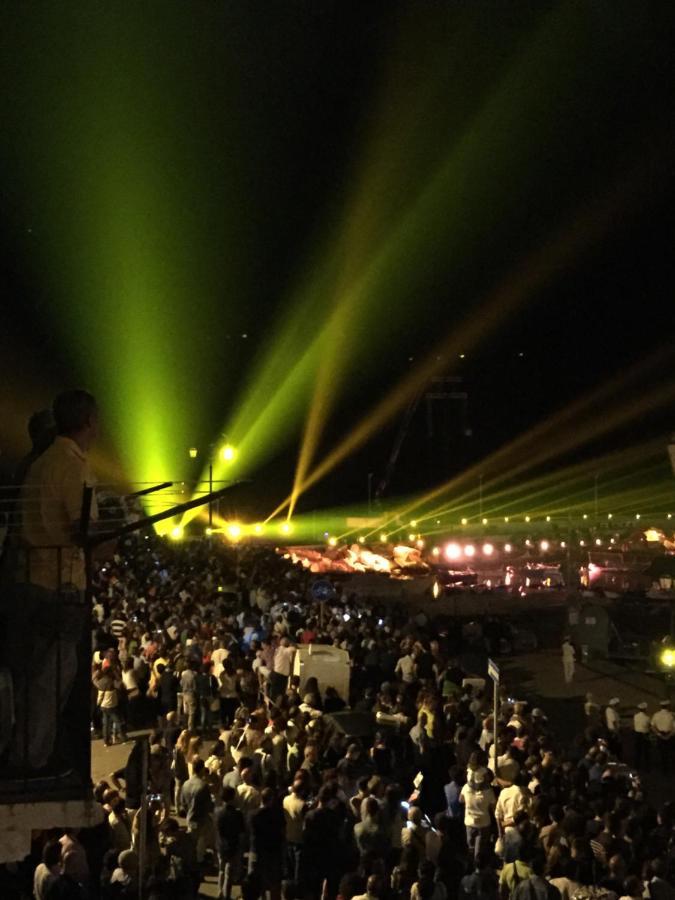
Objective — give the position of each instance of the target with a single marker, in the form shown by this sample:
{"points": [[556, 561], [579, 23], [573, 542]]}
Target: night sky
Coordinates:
{"points": [[257, 125]]}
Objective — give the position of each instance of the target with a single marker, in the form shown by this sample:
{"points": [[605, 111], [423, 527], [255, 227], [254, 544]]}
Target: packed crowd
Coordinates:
{"points": [[255, 779]]}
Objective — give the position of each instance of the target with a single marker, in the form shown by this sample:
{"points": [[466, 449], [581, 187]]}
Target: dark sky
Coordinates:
{"points": [[274, 109]]}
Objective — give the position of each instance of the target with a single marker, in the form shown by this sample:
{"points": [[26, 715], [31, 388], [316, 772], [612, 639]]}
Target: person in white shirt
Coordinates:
{"points": [[218, 657], [568, 658], [511, 799], [282, 667], [663, 726], [478, 799], [612, 716], [642, 726]]}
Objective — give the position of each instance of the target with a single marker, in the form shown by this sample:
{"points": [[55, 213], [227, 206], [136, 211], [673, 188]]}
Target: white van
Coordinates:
{"points": [[329, 665]]}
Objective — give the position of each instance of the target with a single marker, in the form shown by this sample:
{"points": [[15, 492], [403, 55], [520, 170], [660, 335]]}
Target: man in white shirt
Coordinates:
{"points": [[282, 667], [642, 726], [218, 657], [478, 799], [511, 799], [50, 579], [663, 726]]}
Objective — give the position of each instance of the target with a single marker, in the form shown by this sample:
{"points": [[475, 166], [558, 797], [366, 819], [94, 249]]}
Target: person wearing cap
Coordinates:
{"points": [[568, 658], [479, 801], [663, 726], [642, 726], [592, 712]]}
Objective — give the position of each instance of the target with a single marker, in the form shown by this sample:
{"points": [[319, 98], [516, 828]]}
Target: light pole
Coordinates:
{"points": [[228, 454]]}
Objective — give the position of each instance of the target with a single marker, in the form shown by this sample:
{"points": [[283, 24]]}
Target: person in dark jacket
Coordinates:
{"points": [[266, 855], [230, 827]]}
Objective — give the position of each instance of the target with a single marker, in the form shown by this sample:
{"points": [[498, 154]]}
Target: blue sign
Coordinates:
{"points": [[322, 590]]}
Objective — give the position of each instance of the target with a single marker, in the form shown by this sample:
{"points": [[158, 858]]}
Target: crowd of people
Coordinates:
{"points": [[253, 780]]}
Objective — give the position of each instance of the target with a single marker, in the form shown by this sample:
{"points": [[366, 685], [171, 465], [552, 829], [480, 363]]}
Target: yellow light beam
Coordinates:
{"points": [[586, 227]]}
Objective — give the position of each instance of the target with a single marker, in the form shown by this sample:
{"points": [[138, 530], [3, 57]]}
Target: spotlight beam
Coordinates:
{"points": [[588, 226]]}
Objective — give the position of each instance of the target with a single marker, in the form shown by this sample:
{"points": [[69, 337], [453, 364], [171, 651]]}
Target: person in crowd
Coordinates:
{"points": [[568, 659], [479, 802], [46, 615], [663, 727], [48, 870], [198, 803], [230, 827]]}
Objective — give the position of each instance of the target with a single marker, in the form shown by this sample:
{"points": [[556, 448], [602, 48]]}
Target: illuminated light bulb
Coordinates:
{"points": [[506, 518], [469, 550], [208, 531], [332, 541], [193, 453], [507, 548], [544, 546], [177, 533], [563, 544], [488, 549], [528, 543], [668, 658], [411, 537], [610, 516], [436, 551], [286, 528], [413, 523], [258, 528], [228, 453], [438, 521], [485, 521], [598, 542], [420, 543], [612, 541], [464, 521], [527, 518], [548, 518], [670, 515], [582, 543], [436, 590], [453, 551], [637, 516], [383, 538], [234, 531], [585, 515]]}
